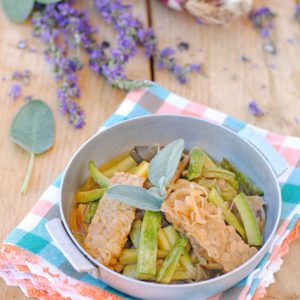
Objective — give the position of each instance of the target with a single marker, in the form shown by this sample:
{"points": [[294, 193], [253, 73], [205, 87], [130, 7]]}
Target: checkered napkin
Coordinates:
{"points": [[29, 258]]}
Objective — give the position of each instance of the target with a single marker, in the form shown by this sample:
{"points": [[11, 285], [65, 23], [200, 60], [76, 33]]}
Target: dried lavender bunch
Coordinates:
{"points": [[262, 20], [132, 34]]}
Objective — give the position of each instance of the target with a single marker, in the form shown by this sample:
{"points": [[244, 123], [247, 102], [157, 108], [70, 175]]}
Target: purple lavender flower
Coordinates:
{"points": [[254, 109], [15, 91], [297, 12], [262, 20]]}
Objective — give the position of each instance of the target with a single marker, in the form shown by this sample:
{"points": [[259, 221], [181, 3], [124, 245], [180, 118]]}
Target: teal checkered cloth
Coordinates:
{"points": [[31, 260]]}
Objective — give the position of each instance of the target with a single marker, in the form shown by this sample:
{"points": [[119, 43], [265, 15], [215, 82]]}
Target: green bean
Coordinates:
{"points": [[246, 185], [195, 163], [182, 275], [147, 255], [229, 217], [168, 267], [253, 233], [88, 196], [135, 233], [97, 176]]}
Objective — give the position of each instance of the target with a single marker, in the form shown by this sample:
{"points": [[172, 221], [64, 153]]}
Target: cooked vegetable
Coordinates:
{"points": [[208, 162], [184, 220], [147, 254], [246, 185], [226, 190], [112, 162], [182, 275], [135, 233], [141, 169], [97, 176], [253, 234], [195, 163], [91, 211], [163, 242], [218, 173], [88, 196], [169, 266], [130, 255], [229, 217], [257, 205], [122, 166], [185, 260]]}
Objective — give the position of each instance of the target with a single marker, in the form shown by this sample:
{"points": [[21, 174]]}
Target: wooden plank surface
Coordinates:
{"points": [[229, 85]]}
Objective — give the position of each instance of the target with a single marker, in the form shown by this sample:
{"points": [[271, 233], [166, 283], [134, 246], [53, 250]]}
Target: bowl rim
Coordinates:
{"points": [[222, 277]]}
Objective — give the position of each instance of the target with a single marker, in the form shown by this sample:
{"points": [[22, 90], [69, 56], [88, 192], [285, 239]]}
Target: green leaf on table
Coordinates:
{"points": [[135, 196], [165, 163], [17, 10], [47, 1], [33, 130]]}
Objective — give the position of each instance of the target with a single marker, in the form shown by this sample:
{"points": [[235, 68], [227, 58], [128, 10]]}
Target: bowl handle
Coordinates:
{"points": [[68, 248], [277, 162]]}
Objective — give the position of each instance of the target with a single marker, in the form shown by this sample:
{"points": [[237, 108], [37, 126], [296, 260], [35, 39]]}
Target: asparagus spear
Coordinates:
{"points": [[91, 211], [195, 163], [88, 196], [130, 256], [246, 185], [253, 234], [168, 268], [146, 264], [97, 176], [229, 217], [135, 233]]}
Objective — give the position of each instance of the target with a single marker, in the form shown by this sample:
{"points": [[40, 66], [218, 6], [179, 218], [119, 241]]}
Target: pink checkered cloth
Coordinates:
{"points": [[30, 259]]}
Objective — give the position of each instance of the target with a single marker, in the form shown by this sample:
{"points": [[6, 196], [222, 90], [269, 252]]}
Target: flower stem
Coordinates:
{"points": [[28, 174]]}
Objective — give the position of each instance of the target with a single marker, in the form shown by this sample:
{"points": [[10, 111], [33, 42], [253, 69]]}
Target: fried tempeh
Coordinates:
{"points": [[110, 227]]}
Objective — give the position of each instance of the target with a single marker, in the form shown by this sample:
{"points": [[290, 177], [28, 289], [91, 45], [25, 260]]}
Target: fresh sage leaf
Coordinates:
{"points": [[17, 10], [47, 1], [33, 130], [135, 196], [165, 163]]}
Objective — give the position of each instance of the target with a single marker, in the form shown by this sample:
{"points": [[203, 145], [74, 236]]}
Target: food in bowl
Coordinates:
{"points": [[168, 215]]}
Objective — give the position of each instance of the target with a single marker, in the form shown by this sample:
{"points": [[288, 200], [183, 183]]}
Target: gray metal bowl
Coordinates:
{"points": [[219, 142]]}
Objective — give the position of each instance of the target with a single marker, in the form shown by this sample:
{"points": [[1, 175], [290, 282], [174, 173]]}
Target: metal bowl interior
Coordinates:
{"points": [[219, 142]]}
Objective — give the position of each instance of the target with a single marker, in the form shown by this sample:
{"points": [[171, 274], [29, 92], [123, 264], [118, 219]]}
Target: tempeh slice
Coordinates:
{"points": [[107, 234], [188, 210]]}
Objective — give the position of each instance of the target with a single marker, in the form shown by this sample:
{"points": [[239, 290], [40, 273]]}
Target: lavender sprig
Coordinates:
{"points": [[262, 20], [132, 34]]}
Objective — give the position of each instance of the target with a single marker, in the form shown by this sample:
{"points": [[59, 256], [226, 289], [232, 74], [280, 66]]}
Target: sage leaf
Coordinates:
{"points": [[135, 196], [165, 163], [33, 130], [17, 10], [47, 1]]}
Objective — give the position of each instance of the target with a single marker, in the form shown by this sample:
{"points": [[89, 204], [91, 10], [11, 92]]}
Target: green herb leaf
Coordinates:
{"points": [[17, 10], [33, 130], [135, 196], [47, 1], [165, 163]]}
